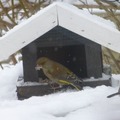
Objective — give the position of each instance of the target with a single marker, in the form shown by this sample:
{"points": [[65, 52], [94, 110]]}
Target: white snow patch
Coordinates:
{"points": [[88, 104]]}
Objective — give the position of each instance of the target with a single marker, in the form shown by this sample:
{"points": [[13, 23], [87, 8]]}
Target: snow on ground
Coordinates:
{"points": [[88, 104]]}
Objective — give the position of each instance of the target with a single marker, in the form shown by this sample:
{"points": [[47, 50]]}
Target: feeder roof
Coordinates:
{"points": [[67, 16]]}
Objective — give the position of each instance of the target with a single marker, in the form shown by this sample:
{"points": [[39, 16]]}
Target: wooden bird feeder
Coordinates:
{"points": [[63, 34], [77, 53]]}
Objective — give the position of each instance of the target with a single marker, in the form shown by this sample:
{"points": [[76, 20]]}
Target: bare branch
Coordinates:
{"points": [[12, 20]]}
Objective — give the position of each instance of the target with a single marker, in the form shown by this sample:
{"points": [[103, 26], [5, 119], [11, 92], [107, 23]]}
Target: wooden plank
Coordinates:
{"points": [[24, 92], [28, 31], [66, 16], [89, 26]]}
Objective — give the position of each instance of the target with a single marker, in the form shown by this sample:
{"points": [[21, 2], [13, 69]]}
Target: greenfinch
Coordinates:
{"points": [[58, 73]]}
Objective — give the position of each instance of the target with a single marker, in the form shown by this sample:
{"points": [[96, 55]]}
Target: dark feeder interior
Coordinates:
{"points": [[80, 55]]}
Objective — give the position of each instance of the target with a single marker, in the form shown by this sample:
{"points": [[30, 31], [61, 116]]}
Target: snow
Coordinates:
{"points": [[88, 104], [34, 33], [77, 1], [115, 80], [66, 16]]}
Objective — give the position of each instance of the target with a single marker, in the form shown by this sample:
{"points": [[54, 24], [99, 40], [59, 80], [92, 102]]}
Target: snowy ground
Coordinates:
{"points": [[89, 104]]}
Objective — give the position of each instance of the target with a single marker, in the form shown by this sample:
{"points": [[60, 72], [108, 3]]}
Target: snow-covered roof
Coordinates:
{"points": [[66, 16]]}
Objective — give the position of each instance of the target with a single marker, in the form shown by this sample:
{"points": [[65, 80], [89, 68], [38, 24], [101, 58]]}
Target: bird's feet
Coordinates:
{"points": [[55, 86]]}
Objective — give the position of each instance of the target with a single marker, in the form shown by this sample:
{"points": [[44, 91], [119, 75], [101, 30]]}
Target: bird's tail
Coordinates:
{"points": [[69, 83]]}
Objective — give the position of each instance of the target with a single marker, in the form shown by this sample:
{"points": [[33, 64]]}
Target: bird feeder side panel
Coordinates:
{"points": [[94, 60], [29, 55]]}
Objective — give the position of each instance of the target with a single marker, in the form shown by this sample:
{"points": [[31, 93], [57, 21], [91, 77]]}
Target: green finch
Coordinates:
{"points": [[58, 73]]}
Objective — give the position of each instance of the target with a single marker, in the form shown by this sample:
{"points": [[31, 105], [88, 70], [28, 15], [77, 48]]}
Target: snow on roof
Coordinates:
{"points": [[67, 16]]}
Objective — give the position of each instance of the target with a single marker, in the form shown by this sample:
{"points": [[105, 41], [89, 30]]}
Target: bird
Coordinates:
{"points": [[58, 73]]}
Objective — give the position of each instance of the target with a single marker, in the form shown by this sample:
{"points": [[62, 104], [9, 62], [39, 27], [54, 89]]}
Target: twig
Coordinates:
{"points": [[12, 20], [22, 5], [109, 13]]}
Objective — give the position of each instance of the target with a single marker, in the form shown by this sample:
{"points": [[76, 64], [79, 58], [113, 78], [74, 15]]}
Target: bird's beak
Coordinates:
{"points": [[38, 67]]}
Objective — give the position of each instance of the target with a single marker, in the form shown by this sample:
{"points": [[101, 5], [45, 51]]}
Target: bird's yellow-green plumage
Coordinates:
{"points": [[57, 73]]}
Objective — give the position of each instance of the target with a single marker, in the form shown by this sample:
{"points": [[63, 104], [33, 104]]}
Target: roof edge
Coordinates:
{"points": [[35, 26]]}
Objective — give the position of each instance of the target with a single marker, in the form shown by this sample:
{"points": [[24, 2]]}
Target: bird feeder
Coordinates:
{"points": [[64, 34], [82, 56]]}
